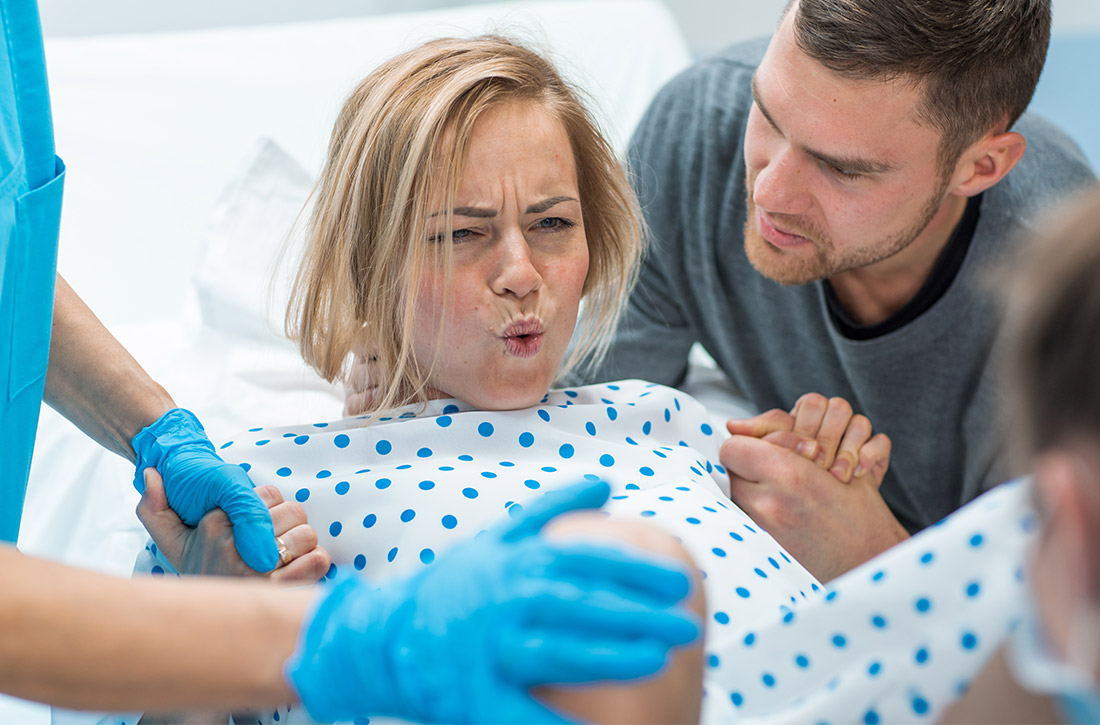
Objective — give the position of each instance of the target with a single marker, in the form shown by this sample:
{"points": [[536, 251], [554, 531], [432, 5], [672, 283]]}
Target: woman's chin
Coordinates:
{"points": [[510, 397]]}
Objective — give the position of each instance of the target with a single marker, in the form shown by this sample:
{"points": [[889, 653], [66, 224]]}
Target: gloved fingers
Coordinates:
{"points": [[554, 657], [539, 512], [660, 580], [253, 530], [612, 615]]}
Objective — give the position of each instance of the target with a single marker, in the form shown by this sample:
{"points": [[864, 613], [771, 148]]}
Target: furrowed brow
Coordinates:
{"points": [[540, 207]]}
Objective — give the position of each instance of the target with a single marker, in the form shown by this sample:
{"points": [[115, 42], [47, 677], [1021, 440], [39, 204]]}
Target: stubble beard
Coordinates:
{"points": [[796, 268]]}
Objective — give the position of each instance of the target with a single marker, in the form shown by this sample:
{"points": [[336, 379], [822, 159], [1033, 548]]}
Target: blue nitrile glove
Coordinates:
{"points": [[464, 639], [197, 480]]}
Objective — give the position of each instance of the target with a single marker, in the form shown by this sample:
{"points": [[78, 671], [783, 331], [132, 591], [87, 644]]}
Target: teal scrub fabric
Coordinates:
{"points": [[31, 179]]}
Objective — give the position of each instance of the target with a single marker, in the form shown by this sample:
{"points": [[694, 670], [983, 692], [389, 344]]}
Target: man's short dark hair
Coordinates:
{"points": [[977, 62]]}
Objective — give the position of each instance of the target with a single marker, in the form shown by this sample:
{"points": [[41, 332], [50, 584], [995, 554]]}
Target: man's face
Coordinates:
{"points": [[839, 173]]}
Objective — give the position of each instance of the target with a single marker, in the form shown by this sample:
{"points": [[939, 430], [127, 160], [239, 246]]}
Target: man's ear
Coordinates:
{"points": [[986, 162]]}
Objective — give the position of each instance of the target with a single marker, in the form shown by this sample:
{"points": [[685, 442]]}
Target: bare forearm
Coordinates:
{"points": [[80, 639], [94, 382]]}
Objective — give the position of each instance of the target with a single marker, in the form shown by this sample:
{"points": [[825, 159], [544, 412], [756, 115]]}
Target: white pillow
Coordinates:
{"points": [[243, 275]]}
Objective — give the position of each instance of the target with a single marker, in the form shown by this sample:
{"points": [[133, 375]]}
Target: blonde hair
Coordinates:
{"points": [[365, 239]]}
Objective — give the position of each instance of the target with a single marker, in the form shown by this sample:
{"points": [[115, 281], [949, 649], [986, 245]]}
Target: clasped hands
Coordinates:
{"points": [[810, 477]]}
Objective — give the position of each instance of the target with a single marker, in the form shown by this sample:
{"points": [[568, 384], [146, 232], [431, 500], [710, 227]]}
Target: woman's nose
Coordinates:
{"points": [[515, 271]]}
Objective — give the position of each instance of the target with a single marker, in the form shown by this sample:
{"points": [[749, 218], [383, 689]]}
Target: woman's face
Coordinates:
{"points": [[520, 261]]}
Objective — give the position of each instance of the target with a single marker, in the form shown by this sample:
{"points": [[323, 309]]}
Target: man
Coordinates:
{"points": [[823, 207]]}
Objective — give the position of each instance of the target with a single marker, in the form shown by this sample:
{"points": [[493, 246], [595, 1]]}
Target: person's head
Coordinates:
{"points": [[869, 115], [467, 204], [1052, 340]]}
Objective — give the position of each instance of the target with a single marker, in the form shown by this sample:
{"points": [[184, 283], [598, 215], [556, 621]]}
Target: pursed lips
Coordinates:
{"points": [[523, 338]]}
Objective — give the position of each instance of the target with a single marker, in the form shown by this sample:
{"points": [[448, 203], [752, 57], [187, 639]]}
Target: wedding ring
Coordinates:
{"points": [[285, 557]]}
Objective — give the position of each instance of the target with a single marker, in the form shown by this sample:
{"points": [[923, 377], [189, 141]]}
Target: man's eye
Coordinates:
{"points": [[844, 174]]}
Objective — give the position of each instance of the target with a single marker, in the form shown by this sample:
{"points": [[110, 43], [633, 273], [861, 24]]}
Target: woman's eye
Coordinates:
{"points": [[458, 235], [553, 223]]}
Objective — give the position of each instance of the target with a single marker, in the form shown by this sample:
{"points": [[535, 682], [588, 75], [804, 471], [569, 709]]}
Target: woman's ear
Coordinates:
{"points": [[986, 162]]}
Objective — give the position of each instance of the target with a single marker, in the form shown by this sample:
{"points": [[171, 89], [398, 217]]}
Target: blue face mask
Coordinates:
{"points": [[1070, 682]]}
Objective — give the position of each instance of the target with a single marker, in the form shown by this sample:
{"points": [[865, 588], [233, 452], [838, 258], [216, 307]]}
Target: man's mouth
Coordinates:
{"points": [[777, 236]]}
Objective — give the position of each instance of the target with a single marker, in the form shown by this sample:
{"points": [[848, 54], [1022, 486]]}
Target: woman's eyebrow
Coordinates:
{"points": [[545, 204], [473, 211]]}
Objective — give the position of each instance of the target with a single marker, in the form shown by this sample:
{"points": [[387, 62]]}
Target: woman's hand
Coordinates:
{"points": [[209, 549], [826, 431]]}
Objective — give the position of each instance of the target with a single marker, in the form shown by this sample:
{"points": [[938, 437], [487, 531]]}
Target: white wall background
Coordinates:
{"points": [[707, 24]]}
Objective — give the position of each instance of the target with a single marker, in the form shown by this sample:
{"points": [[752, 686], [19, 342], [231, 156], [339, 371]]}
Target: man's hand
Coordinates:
{"points": [[830, 516], [209, 549], [826, 432], [361, 395]]}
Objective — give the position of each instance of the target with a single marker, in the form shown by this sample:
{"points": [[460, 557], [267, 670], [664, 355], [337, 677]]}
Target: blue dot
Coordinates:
{"points": [[840, 641], [245, 466], [750, 638], [392, 554], [612, 414], [566, 451], [668, 415], [920, 705], [424, 452], [383, 447], [802, 661], [526, 439], [369, 521], [335, 528], [788, 617], [736, 537], [531, 483], [342, 488], [158, 570], [548, 469], [773, 562], [590, 427], [646, 428], [485, 429], [466, 457], [324, 474], [878, 576], [874, 669], [408, 515], [301, 440], [544, 414], [342, 441], [469, 492], [761, 573], [443, 421], [742, 592], [923, 605], [831, 596], [263, 442], [427, 556], [921, 656], [331, 573], [607, 460], [488, 474], [927, 557], [284, 472], [870, 718], [383, 483], [648, 514], [736, 699], [878, 621], [450, 408], [449, 521], [973, 589], [717, 551], [969, 640], [768, 680], [712, 660], [707, 430], [302, 495], [976, 540], [289, 435], [721, 618], [360, 562], [254, 430]]}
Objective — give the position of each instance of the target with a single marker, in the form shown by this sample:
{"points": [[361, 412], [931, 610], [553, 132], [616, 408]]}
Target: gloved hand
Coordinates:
{"points": [[197, 480], [464, 639]]}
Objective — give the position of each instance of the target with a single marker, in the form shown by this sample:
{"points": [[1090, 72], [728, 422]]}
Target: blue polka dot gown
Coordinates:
{"points": [[390, 498]]}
